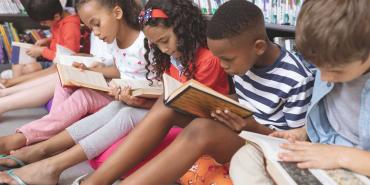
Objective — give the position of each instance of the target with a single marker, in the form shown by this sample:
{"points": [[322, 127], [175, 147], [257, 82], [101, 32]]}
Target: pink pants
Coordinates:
{"points": [[69, 106], [98, 161]]}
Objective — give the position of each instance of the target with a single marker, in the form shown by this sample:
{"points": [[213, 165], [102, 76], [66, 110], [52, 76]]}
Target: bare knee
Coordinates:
{"points": [[30, 68], [200, 133]]}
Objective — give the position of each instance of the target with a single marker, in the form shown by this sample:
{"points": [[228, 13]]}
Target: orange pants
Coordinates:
{"points": [[206, 171]]}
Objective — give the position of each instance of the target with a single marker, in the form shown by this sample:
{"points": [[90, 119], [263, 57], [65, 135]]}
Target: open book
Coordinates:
{"points": [[197, 99], [66, 56], [74, 77], [284, 173], [19, 55]]}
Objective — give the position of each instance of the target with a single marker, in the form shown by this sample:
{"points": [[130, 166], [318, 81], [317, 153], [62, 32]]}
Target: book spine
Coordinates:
{"points": [[6, 41], [14, 33]]}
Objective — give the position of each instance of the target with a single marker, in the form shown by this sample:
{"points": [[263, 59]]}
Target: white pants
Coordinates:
{"points": [[247, 167]]}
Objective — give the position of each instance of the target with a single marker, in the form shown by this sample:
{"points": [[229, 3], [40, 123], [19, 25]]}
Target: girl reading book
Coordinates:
{"points": [[178, 50], [119, 27]]}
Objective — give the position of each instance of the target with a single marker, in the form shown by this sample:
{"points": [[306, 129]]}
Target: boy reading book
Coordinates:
{"points": [[338, 120], [65, 30]]}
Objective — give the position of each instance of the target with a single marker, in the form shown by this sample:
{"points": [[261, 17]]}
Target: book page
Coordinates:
{"points": [[137, 84], [19, 53], [269, 145], [170, 85], [90, 79], [69, 59]]}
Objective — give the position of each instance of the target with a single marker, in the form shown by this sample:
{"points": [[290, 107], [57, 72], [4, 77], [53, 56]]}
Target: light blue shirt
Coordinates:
{"points": [[318, 127]]}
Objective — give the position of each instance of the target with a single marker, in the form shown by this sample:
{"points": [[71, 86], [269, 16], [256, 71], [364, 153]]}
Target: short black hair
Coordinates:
{"points": [[234, 18], [42, 10]]}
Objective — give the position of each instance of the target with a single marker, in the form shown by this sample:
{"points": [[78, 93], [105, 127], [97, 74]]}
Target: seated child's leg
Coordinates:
{"points": [[27, 85], [30, 68], [30, 76], [118, 126], [17, 70], [80, 103], [41, 150], [141, 141], [248, 167], [40, 94], [200, 137], [11, 142]]}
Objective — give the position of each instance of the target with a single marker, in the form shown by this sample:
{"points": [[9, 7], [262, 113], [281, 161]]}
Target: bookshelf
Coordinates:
{"points": [[21, 21]]}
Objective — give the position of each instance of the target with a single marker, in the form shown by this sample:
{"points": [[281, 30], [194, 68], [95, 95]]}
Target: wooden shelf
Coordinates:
{"points": [[20, 21]]}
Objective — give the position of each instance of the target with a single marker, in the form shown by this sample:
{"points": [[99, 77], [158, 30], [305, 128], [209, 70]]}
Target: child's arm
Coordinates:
{"points": [[322, 156], [124, 94], [43, 42], [238, 124], [108, 71], [299, 134], [71, 40]]}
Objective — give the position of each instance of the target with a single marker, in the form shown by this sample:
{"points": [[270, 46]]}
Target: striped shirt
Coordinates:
{"points": [[279, 94]]}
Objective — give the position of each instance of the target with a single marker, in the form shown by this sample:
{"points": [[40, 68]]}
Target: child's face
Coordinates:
{"points": [[345, 73], [104, 23], [236, 55], [164, 38]]}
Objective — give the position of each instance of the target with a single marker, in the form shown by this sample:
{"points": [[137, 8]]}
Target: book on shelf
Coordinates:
{"points": [[74, 77], [286, 173], [11, 7], [197, 99], [287, 42], [19, 55]]}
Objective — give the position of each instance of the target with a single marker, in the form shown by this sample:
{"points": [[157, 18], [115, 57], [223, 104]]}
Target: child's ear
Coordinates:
{"points": [[260, 46], [117, 12]]}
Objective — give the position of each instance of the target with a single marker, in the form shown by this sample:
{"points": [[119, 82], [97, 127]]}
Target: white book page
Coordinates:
{"points": [[85, 77], [137, 84], [170, 85], [269, 145], [69, 59]]}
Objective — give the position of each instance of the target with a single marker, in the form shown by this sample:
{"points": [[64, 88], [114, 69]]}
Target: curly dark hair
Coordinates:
{"points": [[189, 26], [130, 8]]}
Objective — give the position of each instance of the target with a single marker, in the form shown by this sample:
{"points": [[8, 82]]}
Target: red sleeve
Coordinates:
{"points": [[210, 73], [48, 54], [69, 38]]}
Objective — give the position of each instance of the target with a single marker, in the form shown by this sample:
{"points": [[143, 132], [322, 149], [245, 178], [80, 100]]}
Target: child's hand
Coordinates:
{"points": [[230, 119], [80, 66], [310, 155], [42, 42], [299, 134], [97, 65], [35, 51], [126, 97]]}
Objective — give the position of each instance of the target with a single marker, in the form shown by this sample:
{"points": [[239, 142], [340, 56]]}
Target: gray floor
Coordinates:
{"points": [[12, 120]]}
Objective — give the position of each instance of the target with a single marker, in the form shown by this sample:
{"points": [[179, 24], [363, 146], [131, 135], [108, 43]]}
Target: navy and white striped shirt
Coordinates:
{"points": [[278, 94]]}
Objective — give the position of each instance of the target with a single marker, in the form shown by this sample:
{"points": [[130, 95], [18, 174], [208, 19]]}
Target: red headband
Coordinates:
{"points": [[149, 13]]}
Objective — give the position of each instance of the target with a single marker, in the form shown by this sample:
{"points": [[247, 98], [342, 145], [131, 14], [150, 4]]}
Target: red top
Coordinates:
{"points": [[208, 71], [67, 33]]}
